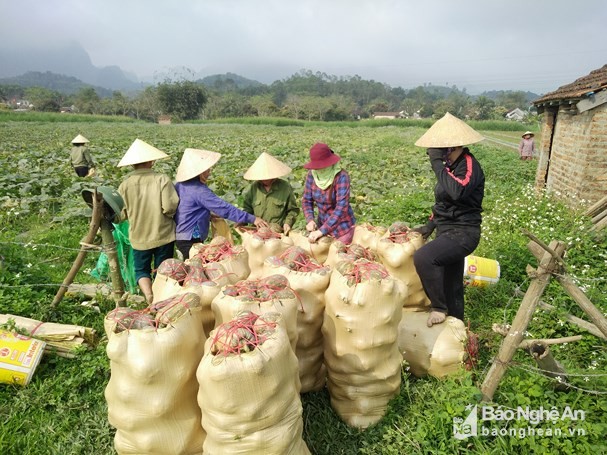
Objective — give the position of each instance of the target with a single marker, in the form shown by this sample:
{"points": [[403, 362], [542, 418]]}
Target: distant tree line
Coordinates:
{"points": [[304, 95]]}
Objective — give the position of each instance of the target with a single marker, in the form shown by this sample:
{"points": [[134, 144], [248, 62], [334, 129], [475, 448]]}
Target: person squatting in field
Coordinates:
{"points": [[526, 147], [81, 158], [328, 187], [197, 201], [150, 202], [268, 196], [456, 216]]}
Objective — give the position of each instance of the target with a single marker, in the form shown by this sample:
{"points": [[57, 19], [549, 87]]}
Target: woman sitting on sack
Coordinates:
{"points": [[456, 216], [270, 197]]}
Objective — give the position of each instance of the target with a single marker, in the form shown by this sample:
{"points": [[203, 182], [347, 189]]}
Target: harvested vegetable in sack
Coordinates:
{"points": [[156, 316], [437, 351], [173, 268], [368, 235], [341, 252], [296, 258], [319, 250], [361, 270], [396, 252], [363, 307], [270, 294], [309, 280], [151, 393], [249, 389], [260, 244], [233, 258]]}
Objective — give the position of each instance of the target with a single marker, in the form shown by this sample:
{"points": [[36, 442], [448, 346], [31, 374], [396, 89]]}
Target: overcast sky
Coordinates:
{"points": [[535, 45]]}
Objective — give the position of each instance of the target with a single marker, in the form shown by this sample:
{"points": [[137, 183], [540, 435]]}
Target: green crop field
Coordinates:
{"points": [[43, 218]]}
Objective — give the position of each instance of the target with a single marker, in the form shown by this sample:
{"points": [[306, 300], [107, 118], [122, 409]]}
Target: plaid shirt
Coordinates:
{"points": [[335, 215]]}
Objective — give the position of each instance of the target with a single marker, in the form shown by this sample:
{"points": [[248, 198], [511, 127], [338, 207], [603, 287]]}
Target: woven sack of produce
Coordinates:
{"points": [[206, 281], [367, 235], [233, 258], [363, 305], [395, 251], [203, 279], [319, 250], [309, 279], [151, 394], [170, 275], [270, 294], [249, 389], [260, 244], [437, 351], [339, 251]]}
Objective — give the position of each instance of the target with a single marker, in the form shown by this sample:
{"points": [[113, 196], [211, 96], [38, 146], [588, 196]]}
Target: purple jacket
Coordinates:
{"points": [[196, 202]]}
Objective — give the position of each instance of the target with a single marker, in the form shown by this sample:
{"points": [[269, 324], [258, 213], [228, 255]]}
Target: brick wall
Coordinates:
{"points": [[576, 165]]}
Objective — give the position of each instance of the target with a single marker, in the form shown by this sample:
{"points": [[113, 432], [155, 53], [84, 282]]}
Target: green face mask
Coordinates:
{"points": [[324, 177]]}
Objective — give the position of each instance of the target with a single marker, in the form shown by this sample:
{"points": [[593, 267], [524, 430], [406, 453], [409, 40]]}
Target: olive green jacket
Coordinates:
{"points": [[80, 156], [275, 206], [150, 202]]}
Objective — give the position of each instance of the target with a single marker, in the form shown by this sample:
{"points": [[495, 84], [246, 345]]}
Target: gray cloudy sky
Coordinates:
{"points": [[534, 45]]}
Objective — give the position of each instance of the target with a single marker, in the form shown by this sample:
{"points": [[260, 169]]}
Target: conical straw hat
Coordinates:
{"points": [[266, 167], [141, 152], [80, 139], [194, 162], [449, 131]]}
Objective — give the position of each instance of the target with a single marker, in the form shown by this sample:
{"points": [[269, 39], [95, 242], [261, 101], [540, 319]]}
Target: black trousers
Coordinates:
{"points": [[185, 245], [440, 266]]}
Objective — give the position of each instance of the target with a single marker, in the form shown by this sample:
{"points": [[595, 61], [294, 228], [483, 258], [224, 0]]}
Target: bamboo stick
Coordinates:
{"points": [[521, 320], [112, 255], [597, 207], [90, 237], [548, 364], [580, 298], [503, 329], [581, 323]]}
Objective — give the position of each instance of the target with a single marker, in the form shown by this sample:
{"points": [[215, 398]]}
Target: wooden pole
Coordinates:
{"points": [[84, 247], [521, 320], [580, 298], [581, 323], [548, 364], [110, 249], [597, 207]]}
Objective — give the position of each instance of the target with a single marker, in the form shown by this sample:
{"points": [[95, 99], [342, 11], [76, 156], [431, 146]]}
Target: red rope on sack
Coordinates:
{"points": [[266, 234], [36, 328], [471, 347], [240, 335]]}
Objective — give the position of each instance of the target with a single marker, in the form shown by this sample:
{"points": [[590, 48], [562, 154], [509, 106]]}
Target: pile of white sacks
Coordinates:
{"points": [[245, 329]]}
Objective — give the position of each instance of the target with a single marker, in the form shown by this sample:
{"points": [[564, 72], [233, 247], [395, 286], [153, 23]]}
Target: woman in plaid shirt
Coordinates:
{"points": [[328, 187]]}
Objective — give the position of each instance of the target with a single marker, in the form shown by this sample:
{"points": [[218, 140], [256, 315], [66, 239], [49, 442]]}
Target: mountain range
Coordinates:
{"points": [[70, 60], [69, 68]]}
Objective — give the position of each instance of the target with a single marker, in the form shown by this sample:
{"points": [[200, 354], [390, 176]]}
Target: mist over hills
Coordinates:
{"points": [[70, 60], [69, 68]]}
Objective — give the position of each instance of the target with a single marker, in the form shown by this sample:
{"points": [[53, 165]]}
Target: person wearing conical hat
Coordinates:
{"points": [[526, 147], [150, 203], [456, 216], [327, 188], [197, 200], [81, 158], [269, 197]]}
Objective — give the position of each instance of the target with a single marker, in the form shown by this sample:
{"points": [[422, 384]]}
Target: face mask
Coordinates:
{"points": [[446, 153]]}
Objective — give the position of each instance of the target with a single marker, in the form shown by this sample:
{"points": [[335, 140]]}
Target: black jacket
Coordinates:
{"points": [[459, 191]]}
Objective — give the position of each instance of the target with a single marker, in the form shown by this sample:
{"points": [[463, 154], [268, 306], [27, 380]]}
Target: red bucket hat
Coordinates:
{"points": [[321, 156]]}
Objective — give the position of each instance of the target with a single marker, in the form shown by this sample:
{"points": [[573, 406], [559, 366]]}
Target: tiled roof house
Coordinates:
{"points": [[573, 150]]}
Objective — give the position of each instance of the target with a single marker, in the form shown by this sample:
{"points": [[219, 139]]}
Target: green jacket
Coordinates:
{"points": [[150, 202], [275, 206], [80, 156]]}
